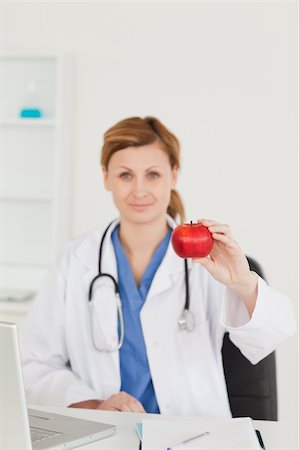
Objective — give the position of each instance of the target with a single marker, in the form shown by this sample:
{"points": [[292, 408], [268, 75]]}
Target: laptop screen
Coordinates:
{"points": [[43, 430]]}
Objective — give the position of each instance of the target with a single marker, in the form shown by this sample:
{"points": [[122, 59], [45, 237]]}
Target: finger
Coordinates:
{"points": [[220, 228], [207, 263], [131, 406], [131, 402], [124, 408], [140, 407], [117, 401], [207, 222], [106, 406], [136, 406], [225, 240]]}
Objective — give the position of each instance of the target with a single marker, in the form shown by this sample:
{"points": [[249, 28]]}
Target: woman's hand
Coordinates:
{"points": [[228, 264], [122, 402]]}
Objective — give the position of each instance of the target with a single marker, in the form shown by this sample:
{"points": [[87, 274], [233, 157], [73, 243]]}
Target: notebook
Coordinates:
{"points": [[174, 433], [32, 429]]}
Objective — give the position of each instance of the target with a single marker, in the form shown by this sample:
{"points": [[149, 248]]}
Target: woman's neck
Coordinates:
{"points": [[140, 239]]}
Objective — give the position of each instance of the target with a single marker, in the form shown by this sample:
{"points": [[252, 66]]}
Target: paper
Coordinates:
{"points": [[224, 434]]}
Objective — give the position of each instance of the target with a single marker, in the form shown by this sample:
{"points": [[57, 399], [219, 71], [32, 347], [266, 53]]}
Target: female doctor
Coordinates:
{"points": [[126, 340]]}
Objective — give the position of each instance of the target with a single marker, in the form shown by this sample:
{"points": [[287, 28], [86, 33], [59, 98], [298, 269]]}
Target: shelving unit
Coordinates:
{"points": [[35, 168], [27, 123]]}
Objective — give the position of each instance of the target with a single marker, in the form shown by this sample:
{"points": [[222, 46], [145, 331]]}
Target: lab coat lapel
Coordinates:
{"points": [[170, 266], [88, 253]]}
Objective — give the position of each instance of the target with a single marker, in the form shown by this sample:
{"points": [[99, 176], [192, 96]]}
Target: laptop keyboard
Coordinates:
{"points": [[39, 434]]}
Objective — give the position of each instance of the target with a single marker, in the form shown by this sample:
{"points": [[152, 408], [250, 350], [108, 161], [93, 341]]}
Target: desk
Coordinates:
{"points": [[276, 435]]}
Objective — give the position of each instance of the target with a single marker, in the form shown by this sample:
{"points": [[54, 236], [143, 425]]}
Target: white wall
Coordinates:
{"points": [[223, 77]]}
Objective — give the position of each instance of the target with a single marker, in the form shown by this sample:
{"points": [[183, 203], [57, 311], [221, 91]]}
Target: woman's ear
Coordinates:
{"points": [[174, 176], [106, 178]]}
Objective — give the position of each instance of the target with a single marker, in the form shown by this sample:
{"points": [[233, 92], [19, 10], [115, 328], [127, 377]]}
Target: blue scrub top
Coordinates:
{"points": [[136, 381]]}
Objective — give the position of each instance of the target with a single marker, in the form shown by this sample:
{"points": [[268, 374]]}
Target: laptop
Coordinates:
{"points": [[22, 429]]}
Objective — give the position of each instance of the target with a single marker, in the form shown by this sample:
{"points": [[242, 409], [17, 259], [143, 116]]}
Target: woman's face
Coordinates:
{"points": [[140, 179]]}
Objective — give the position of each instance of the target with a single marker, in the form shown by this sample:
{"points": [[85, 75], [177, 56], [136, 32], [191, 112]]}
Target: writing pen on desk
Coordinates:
{"points": [[187, 441]]}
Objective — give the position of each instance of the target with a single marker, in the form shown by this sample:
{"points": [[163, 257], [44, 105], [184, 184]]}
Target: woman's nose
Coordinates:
{"points": [[140, 194], [140, 188]]}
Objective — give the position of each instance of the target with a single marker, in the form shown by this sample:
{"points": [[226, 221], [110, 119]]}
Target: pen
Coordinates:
{"points": [[186, 441]]}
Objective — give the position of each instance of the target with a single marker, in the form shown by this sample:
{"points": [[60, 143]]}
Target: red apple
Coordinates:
{"points": [[192, 240]]}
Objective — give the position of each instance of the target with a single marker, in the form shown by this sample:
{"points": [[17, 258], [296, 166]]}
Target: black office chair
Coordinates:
{"points": [[251, 388]]}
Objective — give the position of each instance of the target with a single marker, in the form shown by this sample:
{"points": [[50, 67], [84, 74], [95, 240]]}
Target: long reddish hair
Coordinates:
{"points": [[137, 131]]}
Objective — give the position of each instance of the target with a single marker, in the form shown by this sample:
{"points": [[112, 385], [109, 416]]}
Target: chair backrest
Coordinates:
{"points": [[251, 388]]}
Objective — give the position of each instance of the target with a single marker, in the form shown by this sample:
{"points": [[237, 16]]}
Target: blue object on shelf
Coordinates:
{"points": [[30, 113]]}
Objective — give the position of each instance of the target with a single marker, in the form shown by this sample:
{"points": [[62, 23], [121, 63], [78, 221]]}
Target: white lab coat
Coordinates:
{"points": [[62, 366]]}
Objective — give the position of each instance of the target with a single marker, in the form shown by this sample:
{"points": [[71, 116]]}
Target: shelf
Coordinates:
{"points": [[15, 307], [23, 266], [27, 123], [29, 57], [26, 232], [23, 277], [23, 198]]}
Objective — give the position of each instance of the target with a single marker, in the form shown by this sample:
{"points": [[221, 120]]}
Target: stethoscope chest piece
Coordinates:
{"points": [[186, 321]]}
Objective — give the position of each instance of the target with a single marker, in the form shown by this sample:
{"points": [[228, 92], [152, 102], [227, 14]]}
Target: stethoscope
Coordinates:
{"points": [[186, 320]]}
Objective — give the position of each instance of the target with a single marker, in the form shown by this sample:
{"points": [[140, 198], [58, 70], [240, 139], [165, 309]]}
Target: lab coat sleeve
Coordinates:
{"points": [[47, 376], [272, 322]]}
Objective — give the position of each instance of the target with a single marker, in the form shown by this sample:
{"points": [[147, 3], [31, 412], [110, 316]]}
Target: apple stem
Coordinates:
{"points": [[191, 222]]}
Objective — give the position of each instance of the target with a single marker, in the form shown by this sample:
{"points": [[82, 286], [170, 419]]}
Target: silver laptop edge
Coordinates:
{"points": [[14, 422]]}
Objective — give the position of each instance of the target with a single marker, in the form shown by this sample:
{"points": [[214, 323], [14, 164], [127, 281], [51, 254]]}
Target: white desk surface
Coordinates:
{"points": [[276, 435]]}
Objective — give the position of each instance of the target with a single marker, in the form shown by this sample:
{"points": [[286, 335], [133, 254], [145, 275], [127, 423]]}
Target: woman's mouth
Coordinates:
{"points": [[140, 206]]}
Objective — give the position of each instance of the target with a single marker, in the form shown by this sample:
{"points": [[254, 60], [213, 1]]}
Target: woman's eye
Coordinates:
{"points": [[125, 175], [153, 175]]}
